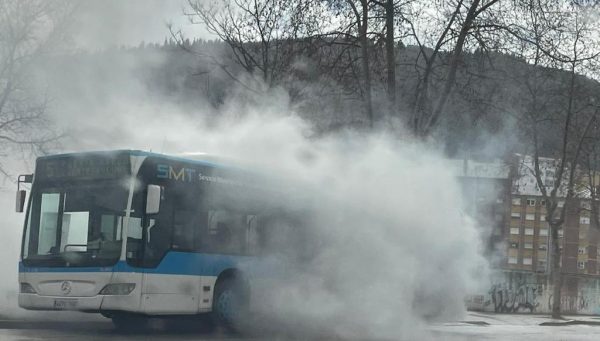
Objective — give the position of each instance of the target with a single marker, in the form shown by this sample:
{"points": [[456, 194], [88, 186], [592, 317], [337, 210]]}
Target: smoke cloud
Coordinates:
{"points": [[397, 249]]}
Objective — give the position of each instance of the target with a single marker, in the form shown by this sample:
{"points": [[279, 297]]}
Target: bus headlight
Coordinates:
{"points": [[118, 289], [26, 288]]}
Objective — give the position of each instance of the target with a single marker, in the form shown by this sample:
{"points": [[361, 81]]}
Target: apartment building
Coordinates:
{"points": [[529, 235], [505, 200]]}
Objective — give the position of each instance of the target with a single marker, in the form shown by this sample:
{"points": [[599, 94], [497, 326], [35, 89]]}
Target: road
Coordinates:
{"points": [[475, 327], [13, 330]]}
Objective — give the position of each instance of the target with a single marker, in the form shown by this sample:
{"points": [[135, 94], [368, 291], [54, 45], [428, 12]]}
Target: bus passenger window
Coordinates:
{"points": [[183, 231], [226, 232]]}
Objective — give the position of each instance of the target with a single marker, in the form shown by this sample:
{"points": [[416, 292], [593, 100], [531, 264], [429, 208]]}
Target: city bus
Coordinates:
{"points": [[133, 234]]}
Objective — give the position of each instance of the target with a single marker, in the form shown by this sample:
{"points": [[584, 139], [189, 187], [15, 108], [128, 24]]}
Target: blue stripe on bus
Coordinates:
{"points": [[174, 263]]}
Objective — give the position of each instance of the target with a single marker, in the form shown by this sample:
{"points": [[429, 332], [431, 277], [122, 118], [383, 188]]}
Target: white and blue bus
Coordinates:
{"points": [[131, 234]]}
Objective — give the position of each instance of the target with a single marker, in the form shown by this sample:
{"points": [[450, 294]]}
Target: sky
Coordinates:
{"points": [[106, 23]]}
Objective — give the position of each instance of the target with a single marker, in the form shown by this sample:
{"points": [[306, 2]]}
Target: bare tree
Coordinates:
{"points": [[360, 13], [352, 33], [558, 36], [28, 29], [265, 36], [459, 24], [366, 25], [393, 16]]}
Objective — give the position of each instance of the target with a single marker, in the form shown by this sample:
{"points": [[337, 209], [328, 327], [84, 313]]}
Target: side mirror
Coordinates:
{"points": [[21, 194], [153, 199]]}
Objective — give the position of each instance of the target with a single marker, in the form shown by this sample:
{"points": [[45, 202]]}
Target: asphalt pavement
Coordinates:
{"points": [[473, 326]]}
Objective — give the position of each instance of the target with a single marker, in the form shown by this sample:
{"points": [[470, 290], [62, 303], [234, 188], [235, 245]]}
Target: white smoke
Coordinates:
{"points": [[397, 250]]}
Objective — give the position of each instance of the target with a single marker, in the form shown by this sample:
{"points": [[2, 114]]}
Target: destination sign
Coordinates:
{"points": [[84, 167]]}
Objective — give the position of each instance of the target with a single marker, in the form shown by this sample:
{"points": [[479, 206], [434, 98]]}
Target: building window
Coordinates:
{"points": [[584, 220], [561, 203], [515, 215], [528, 245], [541, 265], [527, 261], [542, 247], [530, 216], [516, 201], [512, 260], [530, 202], [542, 217], [514, 230], [514, 245], [529, 231], [581, 250], [560, 233], [585, 205], [543, 203], [543, 232], [581, 265]]}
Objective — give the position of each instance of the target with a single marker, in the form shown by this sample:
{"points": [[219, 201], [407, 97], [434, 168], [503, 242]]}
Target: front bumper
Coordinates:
{"points": [[130, 303]]}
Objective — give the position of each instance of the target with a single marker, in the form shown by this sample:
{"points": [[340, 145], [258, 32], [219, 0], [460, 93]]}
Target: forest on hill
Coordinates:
{"points": [[493, 91]]}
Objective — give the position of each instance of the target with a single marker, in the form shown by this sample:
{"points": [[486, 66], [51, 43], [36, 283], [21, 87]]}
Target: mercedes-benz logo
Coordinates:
{"points": [[65, 287]]}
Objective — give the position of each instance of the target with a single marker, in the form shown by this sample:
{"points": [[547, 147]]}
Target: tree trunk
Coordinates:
{"points": [[364, 45], [453, 67], [390, 54], [556, 273]]}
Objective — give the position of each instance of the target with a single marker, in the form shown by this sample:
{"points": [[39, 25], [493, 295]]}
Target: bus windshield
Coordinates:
{"points": [[75, 224]]}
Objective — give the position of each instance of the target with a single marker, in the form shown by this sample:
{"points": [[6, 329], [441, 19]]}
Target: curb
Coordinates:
{"points": [[476, 323], [570, 323]]}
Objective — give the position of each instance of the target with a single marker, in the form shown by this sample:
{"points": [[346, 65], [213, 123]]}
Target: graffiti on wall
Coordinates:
{"points": [[518, 299], [523, 293]]}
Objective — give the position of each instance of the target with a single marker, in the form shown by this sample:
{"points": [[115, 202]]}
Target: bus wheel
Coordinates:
{"points": [[128, 322], [229, 304]]}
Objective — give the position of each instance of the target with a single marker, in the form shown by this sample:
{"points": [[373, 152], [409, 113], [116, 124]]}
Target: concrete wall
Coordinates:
{"points": [[514, 292]]}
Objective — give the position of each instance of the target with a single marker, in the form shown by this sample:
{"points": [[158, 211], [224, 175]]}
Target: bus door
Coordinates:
{"points": [[169, 283]]}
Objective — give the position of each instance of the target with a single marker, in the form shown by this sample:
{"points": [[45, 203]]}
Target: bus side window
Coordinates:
{"points": [[183, 231], [200, 228], [226, 232]]}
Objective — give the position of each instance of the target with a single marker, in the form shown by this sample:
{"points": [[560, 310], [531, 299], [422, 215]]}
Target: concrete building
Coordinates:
{"points": [[529, 232], [506, 201]]}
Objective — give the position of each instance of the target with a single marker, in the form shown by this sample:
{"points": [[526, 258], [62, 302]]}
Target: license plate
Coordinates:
{"points": [[65, 304]]}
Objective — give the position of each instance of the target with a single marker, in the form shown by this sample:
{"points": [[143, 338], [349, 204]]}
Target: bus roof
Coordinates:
{"points": [[193, 158]]}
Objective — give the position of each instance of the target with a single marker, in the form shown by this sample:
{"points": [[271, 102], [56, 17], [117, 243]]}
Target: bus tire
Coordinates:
{"points": [[230, 304], [128, 322]]}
